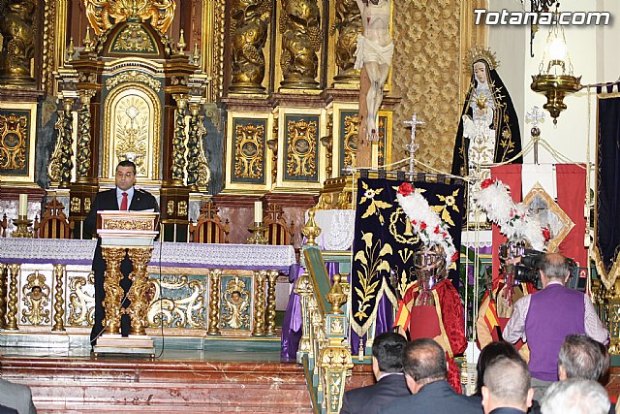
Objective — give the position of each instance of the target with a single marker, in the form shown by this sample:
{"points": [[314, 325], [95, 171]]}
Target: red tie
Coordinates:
{"points": [[124, 201]]}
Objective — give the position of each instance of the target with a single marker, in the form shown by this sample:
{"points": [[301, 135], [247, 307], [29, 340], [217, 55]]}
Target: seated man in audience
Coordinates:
{"points": [[582, 357], [17, 397], [506, 388], [545, 318], [387, 365], [575, 396], [424, 363]]}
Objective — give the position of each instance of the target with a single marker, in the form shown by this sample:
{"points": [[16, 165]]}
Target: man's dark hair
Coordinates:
{"points": [[508, 379], [555, 266], [488, 354], [424, 361], [583, 357], [388, 349], [127, 163]]}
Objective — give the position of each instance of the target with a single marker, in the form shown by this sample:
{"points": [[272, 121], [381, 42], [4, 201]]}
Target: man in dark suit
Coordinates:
{"points": [[424, 363], [124, 197], [507, 386], [387, 365], [15, 398]]}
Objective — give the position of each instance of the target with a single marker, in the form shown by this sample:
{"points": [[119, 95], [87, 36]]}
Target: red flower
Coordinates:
{"points": [[405, 189], [546, 234], [455, 256], [486, 183], [422, 225], [437, 229], [414, 222]]}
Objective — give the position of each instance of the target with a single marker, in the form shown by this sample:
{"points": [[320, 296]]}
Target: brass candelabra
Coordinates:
{"points": [[23, 227], [258, 231]]}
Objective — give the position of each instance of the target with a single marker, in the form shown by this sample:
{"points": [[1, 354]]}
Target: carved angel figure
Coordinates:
{"points": [[104, 14], [236, 304]]}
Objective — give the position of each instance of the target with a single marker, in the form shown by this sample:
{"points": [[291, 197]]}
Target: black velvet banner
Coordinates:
{"points": [[607, 225], [384, 242]]}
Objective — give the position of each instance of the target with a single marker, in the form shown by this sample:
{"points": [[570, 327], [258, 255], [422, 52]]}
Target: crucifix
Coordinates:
{"points": [[412, 146], [535, 117]]}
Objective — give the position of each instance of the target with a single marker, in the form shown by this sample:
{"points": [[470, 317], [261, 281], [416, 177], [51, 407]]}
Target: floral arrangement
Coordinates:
{"points": [[426, 222], [513, 219]]}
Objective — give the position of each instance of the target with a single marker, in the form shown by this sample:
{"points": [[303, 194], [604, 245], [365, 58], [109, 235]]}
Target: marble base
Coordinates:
{"points": [[189, 381]]}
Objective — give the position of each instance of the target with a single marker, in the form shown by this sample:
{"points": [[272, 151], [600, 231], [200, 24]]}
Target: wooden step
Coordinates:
{"points": [[124, 385]]}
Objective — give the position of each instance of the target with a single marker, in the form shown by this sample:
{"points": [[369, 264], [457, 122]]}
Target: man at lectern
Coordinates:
{"points": [[124, 197]]}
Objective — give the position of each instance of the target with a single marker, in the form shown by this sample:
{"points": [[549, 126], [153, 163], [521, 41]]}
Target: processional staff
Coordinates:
{"points": [[535, 116], [412, 146]]}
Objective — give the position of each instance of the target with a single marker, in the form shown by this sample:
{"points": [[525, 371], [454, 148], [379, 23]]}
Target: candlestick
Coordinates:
{"points": [[23, 205], [258, 212]]}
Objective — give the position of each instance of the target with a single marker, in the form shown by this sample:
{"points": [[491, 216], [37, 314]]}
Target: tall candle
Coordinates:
{"points": [[23, 205], [258, 212]]}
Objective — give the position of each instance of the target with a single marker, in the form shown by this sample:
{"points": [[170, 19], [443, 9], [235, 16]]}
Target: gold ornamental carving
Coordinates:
{"points": [[81, 302], [249, 161], [133, 224], [133, 76], [236, 300], [351, 127], [18, 42], [259, 303], [198, 172], [132, 124], [183, 306], [112, 302], [301, 143], [249, 31], [11, 315], [35, 297], [348, 23], [300, 26], [178, 142], [61, 164], [134, 38], [83, 154], [272, 278], [214, 302], [104, 14], [4, 276], [13, 141], [140, 290]]}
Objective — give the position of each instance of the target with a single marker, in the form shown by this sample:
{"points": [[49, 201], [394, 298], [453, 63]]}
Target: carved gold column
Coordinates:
{"points": [[3, 277], [198, 173], [113, 291], [84, 154], [214, 302], [59, 302], [178, 145], [17, 27], [249, 31], [59, 169], [11, 316], [300, 26], [271, 302], [303, 287], [335, 358], [348, 24], [259, 302], [138, 292]]}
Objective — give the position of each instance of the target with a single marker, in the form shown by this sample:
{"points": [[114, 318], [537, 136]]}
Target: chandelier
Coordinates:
{"points": [[555, 77]]}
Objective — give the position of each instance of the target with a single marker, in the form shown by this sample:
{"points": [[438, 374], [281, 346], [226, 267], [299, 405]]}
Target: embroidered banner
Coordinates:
{"points": [[384, 242]]}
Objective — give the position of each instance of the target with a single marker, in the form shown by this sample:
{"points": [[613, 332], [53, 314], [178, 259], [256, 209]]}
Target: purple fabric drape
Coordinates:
{"points": [[292, 323]]}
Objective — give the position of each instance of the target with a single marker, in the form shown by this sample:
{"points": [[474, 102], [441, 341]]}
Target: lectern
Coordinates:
{"points": [[121, 233]]}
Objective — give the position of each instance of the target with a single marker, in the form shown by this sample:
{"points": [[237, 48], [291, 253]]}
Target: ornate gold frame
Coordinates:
{"points": [[32, 107], [109, 143], [554, 208]]}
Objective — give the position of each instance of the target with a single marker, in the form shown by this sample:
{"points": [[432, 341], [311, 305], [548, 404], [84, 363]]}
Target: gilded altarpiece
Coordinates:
{"points": [[178, 301], [17, 135], [132, 116], [301, 146], [236, 304], [246, 146]]}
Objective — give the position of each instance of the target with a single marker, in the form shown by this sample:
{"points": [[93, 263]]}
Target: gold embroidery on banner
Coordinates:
{"points": [[449, 204], [371, 264], [375, 206]]}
